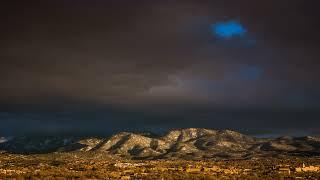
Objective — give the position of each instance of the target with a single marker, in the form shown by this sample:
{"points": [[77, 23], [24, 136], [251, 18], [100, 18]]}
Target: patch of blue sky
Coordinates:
{"points": [[228, 29], [244, 73], [250, 73]]}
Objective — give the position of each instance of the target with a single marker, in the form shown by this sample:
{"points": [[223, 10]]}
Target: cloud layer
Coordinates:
{"points": [[213, 54]]}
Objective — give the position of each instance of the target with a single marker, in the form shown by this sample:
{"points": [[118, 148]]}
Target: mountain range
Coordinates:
{"points": [[191, 143]]}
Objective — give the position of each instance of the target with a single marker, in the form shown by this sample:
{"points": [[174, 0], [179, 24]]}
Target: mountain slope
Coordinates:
{"points": [[192, 143]]}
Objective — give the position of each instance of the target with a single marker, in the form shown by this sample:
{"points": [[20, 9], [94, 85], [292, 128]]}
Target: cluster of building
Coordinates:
{"points": [[10, 172], [196, 168], [288, 169], [75, 167]]}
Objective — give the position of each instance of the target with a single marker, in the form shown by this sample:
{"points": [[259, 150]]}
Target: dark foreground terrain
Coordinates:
{"points": [[179, 154]]}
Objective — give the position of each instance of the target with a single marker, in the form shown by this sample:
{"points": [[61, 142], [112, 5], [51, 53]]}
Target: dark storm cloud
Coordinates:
{"points": [[161, 53], [84, 50]]}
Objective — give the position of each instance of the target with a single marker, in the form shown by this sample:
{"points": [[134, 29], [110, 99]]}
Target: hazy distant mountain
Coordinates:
{"points": [[189, 143]]}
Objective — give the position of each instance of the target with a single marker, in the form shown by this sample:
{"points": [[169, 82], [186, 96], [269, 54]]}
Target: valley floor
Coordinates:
{"points": [[98, 166]]}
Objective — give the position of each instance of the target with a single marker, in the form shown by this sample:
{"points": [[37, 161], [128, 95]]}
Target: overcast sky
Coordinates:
{"points": [[239, 64]]}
